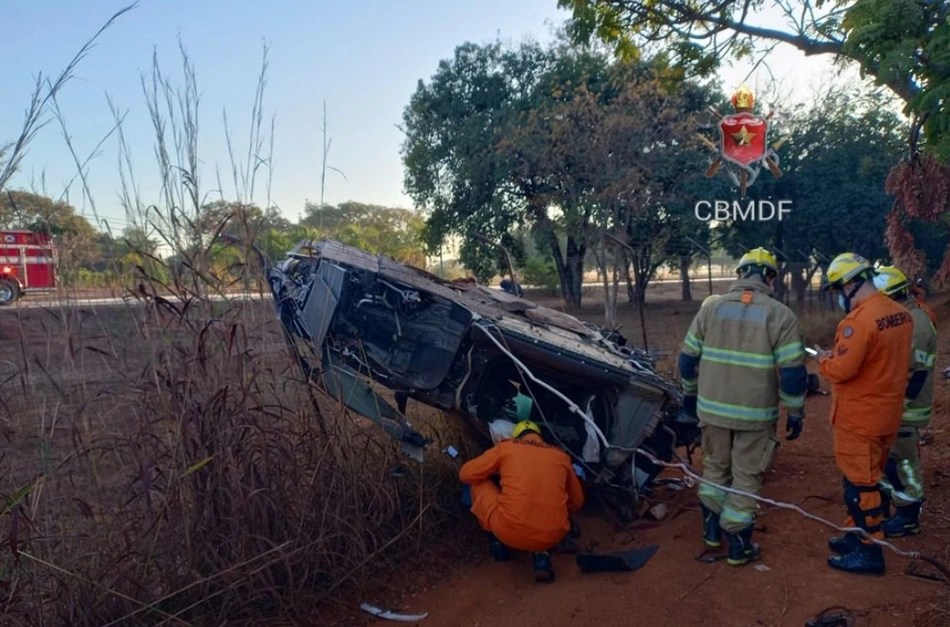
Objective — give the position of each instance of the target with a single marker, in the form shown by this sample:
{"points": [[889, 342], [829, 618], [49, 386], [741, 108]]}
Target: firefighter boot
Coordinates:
{"points": [[543, 568], [741, 548], [712, 532], [499, 551], [906, 522], [866, 559], [845, 544]]}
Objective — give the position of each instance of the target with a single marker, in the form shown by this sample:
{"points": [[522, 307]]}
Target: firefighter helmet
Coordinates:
{"points": [[757, 259], [890, 281], [844, 268], [525, 425]]}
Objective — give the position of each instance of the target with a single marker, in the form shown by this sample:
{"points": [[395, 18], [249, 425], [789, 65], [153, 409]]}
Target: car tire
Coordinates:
{"points": [[9, 292]]}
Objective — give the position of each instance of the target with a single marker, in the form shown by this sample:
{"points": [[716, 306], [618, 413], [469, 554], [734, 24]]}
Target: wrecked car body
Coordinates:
{"points": [[353, 318]]}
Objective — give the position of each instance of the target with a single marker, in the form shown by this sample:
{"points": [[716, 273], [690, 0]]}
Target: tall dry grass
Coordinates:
{"points": [[165, 463]]}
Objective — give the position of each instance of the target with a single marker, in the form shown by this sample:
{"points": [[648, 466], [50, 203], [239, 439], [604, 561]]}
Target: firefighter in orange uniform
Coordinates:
{"points": [[868, 369], [539, 490]]}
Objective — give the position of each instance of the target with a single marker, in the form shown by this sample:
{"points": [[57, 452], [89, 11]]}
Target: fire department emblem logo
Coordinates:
{"points": [[743, 143], [9, 239], [742, 138]]}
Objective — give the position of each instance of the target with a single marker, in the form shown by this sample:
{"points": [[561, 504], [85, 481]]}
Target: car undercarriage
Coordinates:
{"points": [[355, 321]]}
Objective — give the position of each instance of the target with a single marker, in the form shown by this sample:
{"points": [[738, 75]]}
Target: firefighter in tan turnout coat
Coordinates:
{"points": [[742, 356], [903, 480]]}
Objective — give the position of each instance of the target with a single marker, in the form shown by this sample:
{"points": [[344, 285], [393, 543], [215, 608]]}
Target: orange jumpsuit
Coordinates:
{"points": [[538, 491], [868, 369]]}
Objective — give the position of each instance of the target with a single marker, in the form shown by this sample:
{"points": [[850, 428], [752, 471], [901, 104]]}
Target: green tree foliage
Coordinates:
{"points": [[396, 233], [453, 125], [836, 160], [563, 141], [903, 44], [93, 258]]}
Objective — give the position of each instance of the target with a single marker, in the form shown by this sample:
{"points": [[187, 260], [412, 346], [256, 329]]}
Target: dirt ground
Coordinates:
{"points": [[787, 587], [457, 584]]}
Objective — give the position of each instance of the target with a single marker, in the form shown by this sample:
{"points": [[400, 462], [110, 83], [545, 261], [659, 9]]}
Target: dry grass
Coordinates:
{"points": [[819, 327], [166, 465]]}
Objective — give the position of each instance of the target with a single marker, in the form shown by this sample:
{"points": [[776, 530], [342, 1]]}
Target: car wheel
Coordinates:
{"points": [[9, 291]]}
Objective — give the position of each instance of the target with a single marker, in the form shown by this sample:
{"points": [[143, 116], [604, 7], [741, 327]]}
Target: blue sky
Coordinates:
{"points": [[363, 58]]}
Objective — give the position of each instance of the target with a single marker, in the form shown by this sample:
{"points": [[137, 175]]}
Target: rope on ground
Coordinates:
{"points": [[683, 467]]}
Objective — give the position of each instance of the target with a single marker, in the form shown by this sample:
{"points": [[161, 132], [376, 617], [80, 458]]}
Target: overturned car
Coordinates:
{"points": [[352, 318]]}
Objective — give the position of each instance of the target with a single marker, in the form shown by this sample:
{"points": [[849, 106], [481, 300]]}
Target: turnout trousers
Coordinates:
{"points": [[861, 459], [735, 459]]}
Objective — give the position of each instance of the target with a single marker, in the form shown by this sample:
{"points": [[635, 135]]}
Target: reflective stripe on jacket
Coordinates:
{"points": [[747, 344]]}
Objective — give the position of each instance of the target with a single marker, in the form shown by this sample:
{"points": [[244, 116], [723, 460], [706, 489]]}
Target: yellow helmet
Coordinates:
{"points": [[758, 258], [525, 425], [844, 268], [890, 281]]}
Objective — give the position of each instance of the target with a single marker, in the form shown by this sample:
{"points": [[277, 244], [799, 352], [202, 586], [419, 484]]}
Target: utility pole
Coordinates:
{"points": [[708, 253]]}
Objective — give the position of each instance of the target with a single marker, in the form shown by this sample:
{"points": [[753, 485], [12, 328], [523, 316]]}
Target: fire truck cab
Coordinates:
{"points": [[27, 264]]}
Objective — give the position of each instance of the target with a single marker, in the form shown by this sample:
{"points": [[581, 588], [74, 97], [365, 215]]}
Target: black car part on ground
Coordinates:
{"points": [[356, 321]]}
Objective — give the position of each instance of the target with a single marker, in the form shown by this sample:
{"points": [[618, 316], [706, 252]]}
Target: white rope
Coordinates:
{"points": [[684, 467]]}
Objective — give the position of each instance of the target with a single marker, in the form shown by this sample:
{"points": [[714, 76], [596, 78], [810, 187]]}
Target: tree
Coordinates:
{"points": [[563, 141], [837, 158], [396, 233], [453, 125], [903, 44]]}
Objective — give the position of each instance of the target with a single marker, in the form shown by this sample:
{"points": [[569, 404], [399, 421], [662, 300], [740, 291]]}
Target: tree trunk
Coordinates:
{"points": [[644, 273], [570, 288], [610, 309], [575, 267], [627, 267], [618, 259], [684, 275]]}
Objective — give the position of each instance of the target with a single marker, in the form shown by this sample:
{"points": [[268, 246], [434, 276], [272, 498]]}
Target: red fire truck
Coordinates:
{"points": [[27, 264]]}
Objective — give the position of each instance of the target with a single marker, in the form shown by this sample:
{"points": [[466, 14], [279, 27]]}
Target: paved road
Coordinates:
{"points": [[66, 300]]}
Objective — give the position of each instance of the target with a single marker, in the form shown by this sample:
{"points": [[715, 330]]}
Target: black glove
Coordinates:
{"points": [[793, 426], [689, 406]]}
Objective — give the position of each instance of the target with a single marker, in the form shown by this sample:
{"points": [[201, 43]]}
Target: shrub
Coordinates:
{"points": [[541, 273]]}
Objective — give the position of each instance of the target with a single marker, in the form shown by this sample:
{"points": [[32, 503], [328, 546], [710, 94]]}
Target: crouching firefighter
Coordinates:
{"points": [[867, 369], [903, 481], [741, 358], [529, 510]]}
